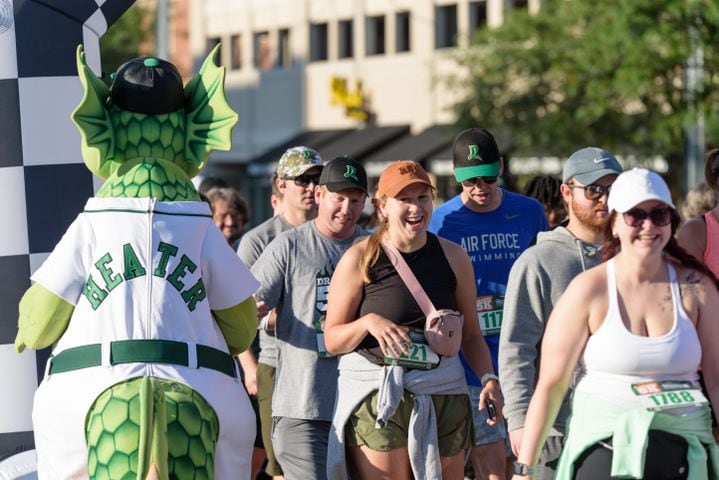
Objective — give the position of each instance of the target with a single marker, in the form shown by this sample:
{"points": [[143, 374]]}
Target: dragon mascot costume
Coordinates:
{"points": [[142, 298]]}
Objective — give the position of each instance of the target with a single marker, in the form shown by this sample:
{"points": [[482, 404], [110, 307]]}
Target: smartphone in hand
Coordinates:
{"points": [[491, 411]]}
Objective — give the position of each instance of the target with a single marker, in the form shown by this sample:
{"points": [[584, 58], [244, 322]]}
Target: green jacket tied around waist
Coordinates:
{"points": [[593, 420]]}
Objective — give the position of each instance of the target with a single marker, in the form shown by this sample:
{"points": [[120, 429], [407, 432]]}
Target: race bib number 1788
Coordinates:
{"points": [[668, 394]]}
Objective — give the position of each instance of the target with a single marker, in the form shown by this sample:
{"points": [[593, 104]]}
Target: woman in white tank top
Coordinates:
{"points": [[640, 326]]}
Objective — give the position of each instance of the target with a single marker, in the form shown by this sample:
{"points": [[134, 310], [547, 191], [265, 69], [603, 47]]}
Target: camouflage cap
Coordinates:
{"points": [[296, 161]]}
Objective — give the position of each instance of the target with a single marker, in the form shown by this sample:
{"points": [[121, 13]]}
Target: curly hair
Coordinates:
{"points": [[711, 168], [699, 200], [546, 189]]}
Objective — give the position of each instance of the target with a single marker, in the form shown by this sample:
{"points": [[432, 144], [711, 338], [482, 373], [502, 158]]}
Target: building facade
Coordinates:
{"points": [[298, 66]]}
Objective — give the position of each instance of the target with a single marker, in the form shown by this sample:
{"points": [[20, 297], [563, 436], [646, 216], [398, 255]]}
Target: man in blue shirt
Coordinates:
{"points": [[494, 226]]}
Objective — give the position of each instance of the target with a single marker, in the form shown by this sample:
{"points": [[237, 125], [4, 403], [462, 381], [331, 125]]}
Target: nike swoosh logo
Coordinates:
{"points": [[510, 217], [600, 160]]}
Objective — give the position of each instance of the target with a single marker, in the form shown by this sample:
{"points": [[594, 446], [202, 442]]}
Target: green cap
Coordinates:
{"points": [[475, 154]]}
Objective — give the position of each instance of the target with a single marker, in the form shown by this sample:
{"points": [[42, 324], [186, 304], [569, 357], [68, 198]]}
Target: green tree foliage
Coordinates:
{"points": [[581, 72], [127, 38]]}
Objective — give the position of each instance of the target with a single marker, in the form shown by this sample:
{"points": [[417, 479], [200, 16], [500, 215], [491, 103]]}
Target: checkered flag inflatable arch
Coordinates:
{"points": [[43, 181]]}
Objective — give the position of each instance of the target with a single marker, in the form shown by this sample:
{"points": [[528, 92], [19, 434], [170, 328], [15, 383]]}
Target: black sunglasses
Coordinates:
{"points": [[661, 216], [592, 192], [304, 179], [470, 182]]}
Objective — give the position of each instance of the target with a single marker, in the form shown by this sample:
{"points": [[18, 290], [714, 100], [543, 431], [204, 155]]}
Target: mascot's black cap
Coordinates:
{"points": [[148, 85]]}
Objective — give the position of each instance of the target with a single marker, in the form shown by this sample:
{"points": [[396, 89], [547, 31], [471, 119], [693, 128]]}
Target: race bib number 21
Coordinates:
{"points": [[420, 355]]}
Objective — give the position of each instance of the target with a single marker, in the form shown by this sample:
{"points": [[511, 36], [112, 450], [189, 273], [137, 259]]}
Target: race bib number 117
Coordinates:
{"points": [[489, 314]]}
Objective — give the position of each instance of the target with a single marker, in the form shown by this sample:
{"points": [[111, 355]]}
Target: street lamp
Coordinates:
{"points": [[162, 29], [694, 142]]}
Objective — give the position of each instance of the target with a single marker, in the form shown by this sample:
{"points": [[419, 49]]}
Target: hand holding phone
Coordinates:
{"points": [[491, 411]]}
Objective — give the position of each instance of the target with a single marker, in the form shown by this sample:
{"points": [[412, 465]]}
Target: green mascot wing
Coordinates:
{"points": [[93, 121], [210, 117]]}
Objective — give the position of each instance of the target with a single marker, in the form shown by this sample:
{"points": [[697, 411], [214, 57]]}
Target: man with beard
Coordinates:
{"points": [[536, 282], [294, 271], [494, 226]]}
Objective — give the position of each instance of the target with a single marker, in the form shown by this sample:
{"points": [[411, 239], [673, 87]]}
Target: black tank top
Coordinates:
{"points": [[388, 296]]}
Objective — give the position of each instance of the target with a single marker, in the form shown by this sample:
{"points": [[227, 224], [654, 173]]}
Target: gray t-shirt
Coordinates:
{"points": [[294, 272], [252, 244]]}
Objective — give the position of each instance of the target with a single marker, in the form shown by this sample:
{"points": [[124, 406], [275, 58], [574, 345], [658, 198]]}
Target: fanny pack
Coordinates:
{"points": [[442, 328]]}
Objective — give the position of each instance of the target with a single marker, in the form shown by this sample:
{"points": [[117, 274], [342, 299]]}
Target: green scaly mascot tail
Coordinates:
{"points": [[151, 428]]}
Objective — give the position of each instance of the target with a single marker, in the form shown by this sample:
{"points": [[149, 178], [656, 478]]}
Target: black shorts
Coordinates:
{"points": [[665, 459]]}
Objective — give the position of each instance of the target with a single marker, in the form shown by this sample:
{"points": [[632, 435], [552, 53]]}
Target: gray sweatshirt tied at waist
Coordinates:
{"points": [[358, 378]]}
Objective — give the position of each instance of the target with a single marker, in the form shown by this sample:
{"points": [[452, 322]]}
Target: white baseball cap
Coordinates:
{"points": [[635, 186]]}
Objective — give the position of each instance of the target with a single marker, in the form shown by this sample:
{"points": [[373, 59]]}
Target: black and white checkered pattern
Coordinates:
{"points": [[43, 182]]}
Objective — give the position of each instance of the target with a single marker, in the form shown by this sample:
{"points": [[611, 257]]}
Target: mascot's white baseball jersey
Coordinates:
{"points": [[160, 266]]}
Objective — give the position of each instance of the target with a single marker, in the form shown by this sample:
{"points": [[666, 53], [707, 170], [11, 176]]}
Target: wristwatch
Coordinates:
{"points": [[487, 377], [522, 469]]}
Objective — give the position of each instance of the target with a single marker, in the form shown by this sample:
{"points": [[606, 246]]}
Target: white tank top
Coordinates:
{"points": [[614, 358]]}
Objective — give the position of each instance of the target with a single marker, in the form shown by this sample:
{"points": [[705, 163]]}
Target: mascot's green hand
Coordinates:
{"points": [[238, 325], [43, 318], [19, 344]]}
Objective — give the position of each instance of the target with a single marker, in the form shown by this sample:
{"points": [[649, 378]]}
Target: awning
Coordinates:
{"points": [[436, 140], [265, 164], [358, 144], [362, 143]]}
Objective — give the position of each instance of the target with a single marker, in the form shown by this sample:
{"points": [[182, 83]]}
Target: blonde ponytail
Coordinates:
{"points": [[371, 253]]}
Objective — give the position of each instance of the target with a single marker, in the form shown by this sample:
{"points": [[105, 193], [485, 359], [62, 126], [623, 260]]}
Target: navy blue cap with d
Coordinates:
{"points": [[589, 165], [475, 154]]}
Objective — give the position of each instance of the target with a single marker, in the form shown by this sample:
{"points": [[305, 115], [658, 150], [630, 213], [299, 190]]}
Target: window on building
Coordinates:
{"points": [[284, 54], [523, 4], [262, 54], [235, 52], [445, 21], [318, 42], [402, 32], [374, 35], [477, 16], [211, 43], [345, 38]]}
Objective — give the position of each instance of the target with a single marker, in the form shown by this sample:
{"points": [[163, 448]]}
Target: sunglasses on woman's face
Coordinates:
{"points": [[592, 192], [471, 182], [661, 216], [305, 179]]}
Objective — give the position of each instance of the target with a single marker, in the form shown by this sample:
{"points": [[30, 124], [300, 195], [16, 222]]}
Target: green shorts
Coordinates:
{"points": [[454, 424]]}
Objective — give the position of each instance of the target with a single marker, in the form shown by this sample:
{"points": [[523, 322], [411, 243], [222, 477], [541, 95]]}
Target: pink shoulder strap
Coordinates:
{"points": [[408, 277]]}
